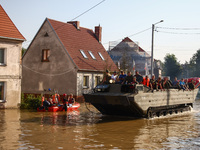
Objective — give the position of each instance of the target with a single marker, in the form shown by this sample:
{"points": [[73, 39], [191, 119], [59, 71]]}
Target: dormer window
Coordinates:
{"points": [[91, 54], [101, 56], [83, 53]]}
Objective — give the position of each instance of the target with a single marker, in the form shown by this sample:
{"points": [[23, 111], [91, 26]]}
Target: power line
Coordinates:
{"points": [[140, 32], [178, 28], [73, 19], [132, 34], [177, 33], [88, 10]]}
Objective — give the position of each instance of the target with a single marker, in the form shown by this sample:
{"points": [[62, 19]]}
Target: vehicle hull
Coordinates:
{"points": [[138, 104]]}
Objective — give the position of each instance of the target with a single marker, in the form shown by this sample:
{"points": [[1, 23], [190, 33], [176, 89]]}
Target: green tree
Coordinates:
{"points": [[195, 64], [171, 66], [23, 51]]}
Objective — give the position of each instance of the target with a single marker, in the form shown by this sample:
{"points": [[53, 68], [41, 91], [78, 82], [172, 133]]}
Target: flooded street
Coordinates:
{"points": [[85, 130]]}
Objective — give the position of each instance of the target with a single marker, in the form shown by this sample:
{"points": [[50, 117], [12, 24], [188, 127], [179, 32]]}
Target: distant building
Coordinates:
{"points": [[129, 56], [10, 66], [65, 58]]}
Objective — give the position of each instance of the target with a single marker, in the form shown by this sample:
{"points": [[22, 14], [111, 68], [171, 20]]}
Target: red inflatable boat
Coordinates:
{"points": [[59, 108]]}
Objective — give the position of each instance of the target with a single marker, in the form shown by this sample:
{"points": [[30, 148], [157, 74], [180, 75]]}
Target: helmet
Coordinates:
{"points": [[64, 95]]}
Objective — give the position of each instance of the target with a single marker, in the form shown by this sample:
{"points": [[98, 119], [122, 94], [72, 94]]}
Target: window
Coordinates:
{"points": [[86, 82], [101, 56], [84, 55], [2, 57], [97, 80], [2, 91], [45, 55], [93, 57]]}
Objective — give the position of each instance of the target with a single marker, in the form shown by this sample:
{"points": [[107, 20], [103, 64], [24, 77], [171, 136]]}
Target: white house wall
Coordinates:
{"points": [[10, 74], [80, 75]]}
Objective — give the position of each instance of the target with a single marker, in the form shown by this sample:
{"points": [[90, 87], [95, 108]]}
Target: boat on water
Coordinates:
{"points": [[53, 108], [139, 101]]}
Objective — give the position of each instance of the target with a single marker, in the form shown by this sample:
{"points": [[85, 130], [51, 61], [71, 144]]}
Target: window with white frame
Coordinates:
{"points": [[91, 54], [2, 91], [85, 81], [97, 80], [83, 53], [101, 56], [2, 56]]}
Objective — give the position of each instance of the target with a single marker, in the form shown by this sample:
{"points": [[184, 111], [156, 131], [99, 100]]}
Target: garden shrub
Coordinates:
{"points": [[30, 101]]}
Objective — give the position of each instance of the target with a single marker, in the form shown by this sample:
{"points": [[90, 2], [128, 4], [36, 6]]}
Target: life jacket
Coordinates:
{"points": [[42, 100], [146, 81]]}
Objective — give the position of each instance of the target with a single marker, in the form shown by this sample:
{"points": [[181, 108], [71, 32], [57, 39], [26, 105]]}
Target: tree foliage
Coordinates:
{"points": [[23, 51], [171, 66], [195, 64]]}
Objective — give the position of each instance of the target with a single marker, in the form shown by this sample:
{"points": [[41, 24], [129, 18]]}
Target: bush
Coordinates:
{"points": [[30, 101]]}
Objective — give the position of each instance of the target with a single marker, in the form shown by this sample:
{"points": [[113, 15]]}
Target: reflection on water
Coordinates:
{"points": [[85, 130]]}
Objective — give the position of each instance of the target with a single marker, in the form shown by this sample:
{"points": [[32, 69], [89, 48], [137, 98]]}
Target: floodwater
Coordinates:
{"points": [[90, 130]]}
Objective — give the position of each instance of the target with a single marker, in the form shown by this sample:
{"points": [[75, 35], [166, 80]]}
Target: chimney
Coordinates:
{"points": [[98, 33], [76, 24]]}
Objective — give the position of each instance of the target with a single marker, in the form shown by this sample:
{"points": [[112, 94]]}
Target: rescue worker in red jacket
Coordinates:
{"points": [[146, 81]]}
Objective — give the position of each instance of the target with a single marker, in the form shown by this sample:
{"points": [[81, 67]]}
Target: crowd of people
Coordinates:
{"points": [[153, 83], [56, 100]]}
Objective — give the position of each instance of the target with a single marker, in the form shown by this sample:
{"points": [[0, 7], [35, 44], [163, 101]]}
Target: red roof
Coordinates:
{"points": [[84, 39], [127, 39], [7, 27]]}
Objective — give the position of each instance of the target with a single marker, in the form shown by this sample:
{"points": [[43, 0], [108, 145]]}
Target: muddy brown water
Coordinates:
{"points": [[85, 130]]}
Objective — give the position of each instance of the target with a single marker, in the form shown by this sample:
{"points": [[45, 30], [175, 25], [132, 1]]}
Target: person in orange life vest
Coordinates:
{"points": [[71, 100], [65, 100], [58, 98], [43, 100], [55, 100], [146, 81]]}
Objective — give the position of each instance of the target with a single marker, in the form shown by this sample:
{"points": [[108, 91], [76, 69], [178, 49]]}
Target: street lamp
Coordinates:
{"points": [[153, 26]]}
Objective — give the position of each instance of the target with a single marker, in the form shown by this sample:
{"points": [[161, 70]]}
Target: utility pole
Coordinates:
{"points": [[152, 45]]}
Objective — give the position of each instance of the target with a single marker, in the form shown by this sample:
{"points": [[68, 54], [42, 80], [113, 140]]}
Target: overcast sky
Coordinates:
{"points": [[119, 19]]}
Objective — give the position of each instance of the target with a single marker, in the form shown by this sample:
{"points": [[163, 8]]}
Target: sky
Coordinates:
{"points": [[179, 34]]}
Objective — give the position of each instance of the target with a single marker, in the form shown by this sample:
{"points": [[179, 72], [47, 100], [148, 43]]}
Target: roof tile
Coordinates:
{"points": [[7, 27], [74, 40]]}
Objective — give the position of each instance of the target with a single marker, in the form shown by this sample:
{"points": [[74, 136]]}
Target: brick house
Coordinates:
{"points": [[10, 66], [66, 58]]}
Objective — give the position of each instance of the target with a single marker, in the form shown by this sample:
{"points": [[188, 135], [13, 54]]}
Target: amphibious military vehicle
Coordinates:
{"points": [[139, 101]]}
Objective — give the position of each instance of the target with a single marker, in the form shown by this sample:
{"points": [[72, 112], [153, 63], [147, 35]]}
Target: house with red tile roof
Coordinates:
{"points": [[131, 57], [65, 58], [10, 62]]}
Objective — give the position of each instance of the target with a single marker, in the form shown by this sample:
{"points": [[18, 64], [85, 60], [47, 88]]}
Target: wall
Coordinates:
{"points": [[11, 73], [92, 75], [58, 74]]}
